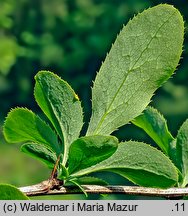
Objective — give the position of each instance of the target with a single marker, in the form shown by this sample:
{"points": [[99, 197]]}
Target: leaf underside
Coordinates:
{"points": [[143, 57], [61, 105], [22, 125], [182, 151], [88, 180], [154, 124], [40, 153], [140, 163]]}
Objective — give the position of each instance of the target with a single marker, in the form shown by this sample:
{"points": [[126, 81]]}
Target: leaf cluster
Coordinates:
{"points": [[142, 58], [154, 124]]}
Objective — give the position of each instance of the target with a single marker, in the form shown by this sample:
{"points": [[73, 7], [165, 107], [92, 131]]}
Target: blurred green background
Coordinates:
{"points": [[71, 38]]}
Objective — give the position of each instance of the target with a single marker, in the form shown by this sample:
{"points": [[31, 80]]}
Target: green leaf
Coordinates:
{"points": [[154, 124], [84, 180], [9, 192], [75, 183], [61, 105], [63, 173], [41, 153], [90, 180], [143, 57], [182, 151], [140, 163], [87, 151], [22, 125]]}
